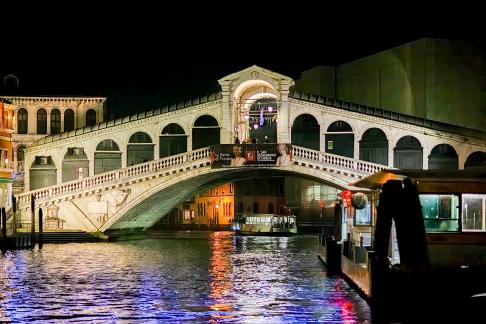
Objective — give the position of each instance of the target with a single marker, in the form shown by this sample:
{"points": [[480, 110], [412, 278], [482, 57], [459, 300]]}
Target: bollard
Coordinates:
{"points": [[41, 234], [333, 257], [4, 230]]}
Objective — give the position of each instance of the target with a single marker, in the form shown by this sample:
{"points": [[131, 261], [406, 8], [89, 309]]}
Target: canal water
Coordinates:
{"points": [[199, 277]]}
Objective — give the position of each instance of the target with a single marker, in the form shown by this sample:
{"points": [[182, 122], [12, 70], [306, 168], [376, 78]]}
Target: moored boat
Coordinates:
{"points": [[265, 224]]}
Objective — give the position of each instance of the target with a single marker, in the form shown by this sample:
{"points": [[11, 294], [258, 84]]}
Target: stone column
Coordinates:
{"points": [[283, 120], [48, 121], [62, 121], [226, 114], [322, 138], [391, 146]]}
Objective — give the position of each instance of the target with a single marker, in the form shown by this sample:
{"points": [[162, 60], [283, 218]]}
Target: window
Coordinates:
{"points": [[22, 121], [90, 117], [68, 120], [363, 216], [55, 121], [473, 212], [41, 121], [440, 212]]}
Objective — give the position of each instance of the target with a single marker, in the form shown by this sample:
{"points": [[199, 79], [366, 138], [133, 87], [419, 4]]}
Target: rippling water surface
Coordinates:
{"points": [[213, 277]]}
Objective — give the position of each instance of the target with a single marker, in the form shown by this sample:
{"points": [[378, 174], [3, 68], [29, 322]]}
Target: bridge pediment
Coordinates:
{"points": [[254, 76]]}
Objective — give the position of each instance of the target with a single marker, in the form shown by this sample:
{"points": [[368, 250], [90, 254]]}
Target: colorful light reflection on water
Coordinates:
{"points": [[213, 278]]}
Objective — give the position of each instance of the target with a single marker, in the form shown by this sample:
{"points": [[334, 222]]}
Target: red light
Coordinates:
{"points": [[322, 204]]}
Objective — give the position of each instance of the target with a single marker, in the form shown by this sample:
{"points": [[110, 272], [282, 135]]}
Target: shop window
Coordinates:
{"points": [[473, 212], [440, 212]]}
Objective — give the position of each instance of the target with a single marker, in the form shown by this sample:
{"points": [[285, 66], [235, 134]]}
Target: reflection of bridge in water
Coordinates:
{"points": [[128, 173]]}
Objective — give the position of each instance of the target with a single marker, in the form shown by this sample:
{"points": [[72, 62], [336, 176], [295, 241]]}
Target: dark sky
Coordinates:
{"points": [[141, 61]]}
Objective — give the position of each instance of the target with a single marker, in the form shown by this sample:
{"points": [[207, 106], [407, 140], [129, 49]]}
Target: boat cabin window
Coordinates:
{"points": [[473, 212], [440, 212]]}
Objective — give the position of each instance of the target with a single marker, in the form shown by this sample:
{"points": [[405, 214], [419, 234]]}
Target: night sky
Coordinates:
{"points": [[146, 61]]}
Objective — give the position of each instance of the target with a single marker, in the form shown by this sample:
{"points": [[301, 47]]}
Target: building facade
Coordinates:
{"points": [[37, 117], [6, 153]]}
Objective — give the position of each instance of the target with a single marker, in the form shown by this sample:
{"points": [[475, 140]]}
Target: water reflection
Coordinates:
{"points": [[217, 278]]}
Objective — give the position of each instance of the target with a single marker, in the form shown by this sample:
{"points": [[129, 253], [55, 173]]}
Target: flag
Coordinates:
{"points": [[262, 121]]}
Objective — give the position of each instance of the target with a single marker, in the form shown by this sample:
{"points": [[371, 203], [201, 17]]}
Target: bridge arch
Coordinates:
{"points": [[148, 207]]}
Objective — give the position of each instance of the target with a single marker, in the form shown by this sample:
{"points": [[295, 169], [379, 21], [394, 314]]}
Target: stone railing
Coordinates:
{"points": [[301, 154], [107, 178]]}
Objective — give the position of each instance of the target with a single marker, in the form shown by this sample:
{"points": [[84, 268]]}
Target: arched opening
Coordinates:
{"points": [[262, 118], [90, 117], [22, 121], [172, 141], [305, 132], [41, 121], [205, 132], [55, 121], [20, 158], [373, 146], [140, 149], [475, 160], [75, 164], [443, 157], [340, 139], [408, 153], [68, 120], [42, 173], [107, 157]]}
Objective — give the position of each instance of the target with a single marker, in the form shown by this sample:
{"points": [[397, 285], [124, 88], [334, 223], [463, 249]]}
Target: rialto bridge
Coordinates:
{"points": [[128, 173]]}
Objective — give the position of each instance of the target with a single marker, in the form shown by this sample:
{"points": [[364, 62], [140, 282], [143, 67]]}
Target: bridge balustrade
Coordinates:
{"points": [[111, 176], [300, 154]]}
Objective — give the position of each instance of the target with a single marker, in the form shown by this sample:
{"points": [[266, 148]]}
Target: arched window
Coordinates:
{"points": [[443, 157], [75, 164], [340, 139], [55, 121], [172, 141], [262, 120], [22, 121], [90, 117], [408, 153], [20, 158], [140, 149], [41, 121], [68, 120], [43, 173], [476, 160], [305, 132], [107, 157], [205, 132], [373, 146]]}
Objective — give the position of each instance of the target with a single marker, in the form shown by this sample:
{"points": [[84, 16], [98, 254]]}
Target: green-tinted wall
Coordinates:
{"points": [[440, 80]]}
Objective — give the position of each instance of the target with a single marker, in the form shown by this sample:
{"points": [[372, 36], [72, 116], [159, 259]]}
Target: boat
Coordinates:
{"points": [[265, 224]]}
